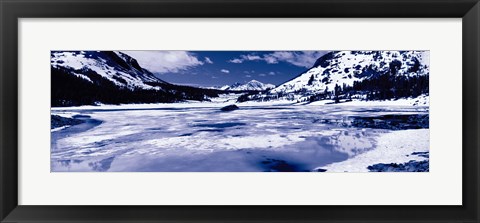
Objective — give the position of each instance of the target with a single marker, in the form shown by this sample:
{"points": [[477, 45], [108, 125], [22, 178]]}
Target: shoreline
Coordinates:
{"points": [[68, 130], [396, 103], [393, 147]]}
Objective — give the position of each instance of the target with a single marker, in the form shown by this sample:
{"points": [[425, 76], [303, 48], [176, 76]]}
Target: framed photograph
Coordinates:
{"points": [[228, 111]]}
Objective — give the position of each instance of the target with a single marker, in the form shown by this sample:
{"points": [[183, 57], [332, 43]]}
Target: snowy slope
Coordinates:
{"points": [[252, 85], [345, 67], [117, 67], [392, 147], [112, 77]]}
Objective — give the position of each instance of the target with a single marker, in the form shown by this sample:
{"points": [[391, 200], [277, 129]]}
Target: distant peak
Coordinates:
{"points": [[252, 85]]}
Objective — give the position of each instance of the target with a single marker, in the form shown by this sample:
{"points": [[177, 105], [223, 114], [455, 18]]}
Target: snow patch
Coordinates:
{"points": [[393, 147], [59, 128]]}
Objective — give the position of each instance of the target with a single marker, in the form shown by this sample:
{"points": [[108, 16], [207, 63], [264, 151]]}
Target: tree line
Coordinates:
{"points": [[379, 87], [69, 90]]}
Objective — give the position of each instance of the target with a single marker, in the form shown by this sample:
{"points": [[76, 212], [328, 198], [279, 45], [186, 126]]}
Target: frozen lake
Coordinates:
{"points": [[251, 139]]}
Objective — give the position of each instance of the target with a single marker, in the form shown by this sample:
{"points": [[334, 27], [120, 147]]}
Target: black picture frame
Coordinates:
{"points": [[12, 10]]}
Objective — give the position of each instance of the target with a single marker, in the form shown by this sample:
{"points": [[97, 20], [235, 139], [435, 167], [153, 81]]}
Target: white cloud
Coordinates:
{"points": [[271, 73], [225, 71], [207, 60], [270, 59], [165, 61], [243, 58], [236, 60], [297, 58], [248, 75], [300, 59], [251, 57], [262, 75]]}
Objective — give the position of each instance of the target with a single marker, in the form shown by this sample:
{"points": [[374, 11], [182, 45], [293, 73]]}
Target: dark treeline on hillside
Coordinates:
{"points": [[69, 90], [382, 87], [378, 87], [392, 87]]}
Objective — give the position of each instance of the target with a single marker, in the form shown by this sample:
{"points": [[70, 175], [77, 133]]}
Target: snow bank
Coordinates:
{"points": [[422, 100], [393, 147], [215, 103], [59, 128]]}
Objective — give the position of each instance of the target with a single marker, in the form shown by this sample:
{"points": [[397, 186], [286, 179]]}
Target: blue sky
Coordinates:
{"points": [[218, 68]]}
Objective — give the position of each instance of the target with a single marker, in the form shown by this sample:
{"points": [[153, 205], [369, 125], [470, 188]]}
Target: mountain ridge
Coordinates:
{"points": [[252, 85], [112, 77], [337, 70]]}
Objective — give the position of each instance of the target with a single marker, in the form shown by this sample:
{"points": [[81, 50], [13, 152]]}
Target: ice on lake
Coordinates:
{"points": [[206, 139]]}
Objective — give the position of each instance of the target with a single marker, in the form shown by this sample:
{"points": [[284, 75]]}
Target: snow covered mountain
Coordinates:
{"points": [[116, 67], [112, 77], [343, 69], [252, 85]]}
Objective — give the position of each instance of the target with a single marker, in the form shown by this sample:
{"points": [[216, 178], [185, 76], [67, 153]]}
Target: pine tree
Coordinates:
{"points": [[326, 92], [337, 90], [310, 81]]}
